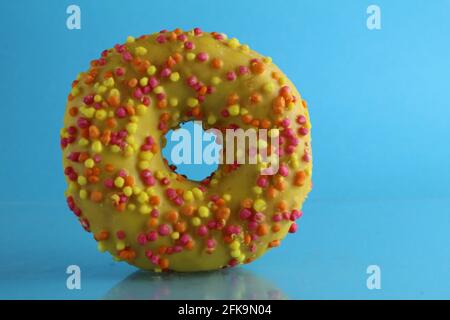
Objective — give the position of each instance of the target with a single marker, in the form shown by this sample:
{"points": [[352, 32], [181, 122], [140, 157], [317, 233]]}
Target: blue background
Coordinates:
{"points": [[380, 108]]}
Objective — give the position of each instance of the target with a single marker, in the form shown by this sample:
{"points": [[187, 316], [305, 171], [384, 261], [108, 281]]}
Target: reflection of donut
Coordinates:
{"points": [[121, 188], [229, 284]]}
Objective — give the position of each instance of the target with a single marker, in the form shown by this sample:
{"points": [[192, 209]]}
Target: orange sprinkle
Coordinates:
{"points": [[276, 227], [257, 67], [94, 132], [132, 82], [216, 63], [262, 229], [152, 222], [113, 101], [187, 210], [180, 226], [155, 200], [109, 167], [111, 123], [164, 263], [73, 111], [102, 235], [172, 216]]}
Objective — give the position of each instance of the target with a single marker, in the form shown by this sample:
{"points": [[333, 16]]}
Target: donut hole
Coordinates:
{"points": [[191, 151]]}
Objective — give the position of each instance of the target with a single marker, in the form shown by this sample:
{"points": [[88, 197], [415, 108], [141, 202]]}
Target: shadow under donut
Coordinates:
{"points": [[226, 284]]}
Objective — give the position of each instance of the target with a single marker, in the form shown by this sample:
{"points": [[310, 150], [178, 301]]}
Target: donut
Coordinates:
{"points": [[124, 192]]}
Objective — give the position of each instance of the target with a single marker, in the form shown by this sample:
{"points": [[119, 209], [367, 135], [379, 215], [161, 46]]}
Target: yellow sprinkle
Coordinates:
{"points": [[269, 87], [212, 119], [158, 90], [144, 209], [216, 80], [259, 205], [227, 197], [190, 56], [141, 109], [188, 196], [173, 102], [97, 146], [151, 70], [143, 82], [97, 98], [128, 191], [83, 194], [143, 197], [119, 182], [89, 163], [196, 221], [75, 91], [234, 43], [175, 235], [235, 245], [203, 212], [130, 39], [145, 155], [101, 246], [144, 164], [175, 76], [81, 180], [120, 245], [267, 60], [131, 127], [234, 110], [198, 194], [159, 174], [257, 190], [192, 102], [131, 207], [235, 253], [100, 114], [140, 51]]}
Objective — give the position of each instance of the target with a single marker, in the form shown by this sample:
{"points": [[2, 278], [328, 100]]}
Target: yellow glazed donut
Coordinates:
{"points": [[123, 191]]}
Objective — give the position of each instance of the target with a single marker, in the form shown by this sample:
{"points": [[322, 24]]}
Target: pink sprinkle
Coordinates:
{"points": [[137, 93], [152, 236], [192, 81], [189, 45], [142, 239], [202, 57], [161, 38], [202, 231], [121, 112], [293, 228], [148, 254], [182, 37], [198, 31], [231, 75], [306, 157], [284, 171], [301, 120], [245, 214], [285, 123], [121, 234], [262, 182], [108, 183], [163, 230], [154, 213], [89, 99], [120, 71], [210, 243], [127, 56], [153, 82], [184, 239], [243, 70], [165, 72], [303, 131], [276, 217]]}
